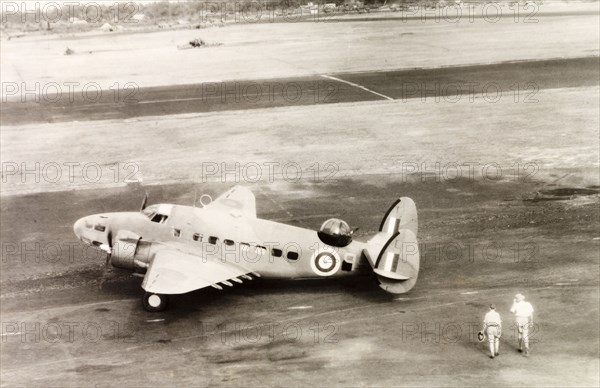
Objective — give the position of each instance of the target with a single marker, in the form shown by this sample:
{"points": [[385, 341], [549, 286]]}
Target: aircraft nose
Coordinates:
{"points": [[78, 227]]}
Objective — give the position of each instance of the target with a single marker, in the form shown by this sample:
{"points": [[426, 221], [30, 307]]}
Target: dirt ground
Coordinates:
{"points": [[554, 139], [299, 49]]}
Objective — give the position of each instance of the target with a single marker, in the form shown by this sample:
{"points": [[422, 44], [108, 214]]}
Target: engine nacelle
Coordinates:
{"points": [[125, 250]]}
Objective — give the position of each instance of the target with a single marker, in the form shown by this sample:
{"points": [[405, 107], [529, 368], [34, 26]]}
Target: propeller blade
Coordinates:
{"points": [[107, 247], [144, 202]]}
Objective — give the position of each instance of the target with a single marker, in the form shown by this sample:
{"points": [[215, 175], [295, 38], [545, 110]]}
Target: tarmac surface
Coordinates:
{"points": [[67, 320], [78, 324], [492, 80]]}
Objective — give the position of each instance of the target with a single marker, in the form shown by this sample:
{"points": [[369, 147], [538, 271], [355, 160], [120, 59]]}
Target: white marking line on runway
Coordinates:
{"points": [[357, 86], [300, 307], [171, 100], [155, 320], [469, 293]]}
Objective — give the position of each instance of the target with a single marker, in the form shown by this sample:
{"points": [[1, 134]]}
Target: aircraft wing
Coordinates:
{"points": [[175, 272], [239, 201]]}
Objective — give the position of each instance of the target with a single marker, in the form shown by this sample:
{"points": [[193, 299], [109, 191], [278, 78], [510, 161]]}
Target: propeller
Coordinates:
{"points": [[144, 202], [108, 251], [109, 246]]}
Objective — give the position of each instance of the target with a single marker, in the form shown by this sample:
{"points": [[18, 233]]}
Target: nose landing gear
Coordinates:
{"points": [[155, 302]]}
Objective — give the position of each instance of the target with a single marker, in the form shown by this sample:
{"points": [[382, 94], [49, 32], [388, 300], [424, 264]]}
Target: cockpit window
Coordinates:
{"points": [[157, 213], [100, 228], [159, 218]]}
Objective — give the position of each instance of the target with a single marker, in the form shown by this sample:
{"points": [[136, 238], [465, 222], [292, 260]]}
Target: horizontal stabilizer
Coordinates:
{"points": [[390, 275]]}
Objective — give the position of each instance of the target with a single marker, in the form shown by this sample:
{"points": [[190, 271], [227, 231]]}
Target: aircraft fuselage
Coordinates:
{"points": [[271, 249]]}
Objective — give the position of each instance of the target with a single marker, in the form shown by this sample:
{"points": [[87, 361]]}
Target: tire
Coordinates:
{"points": [[155, 302]]}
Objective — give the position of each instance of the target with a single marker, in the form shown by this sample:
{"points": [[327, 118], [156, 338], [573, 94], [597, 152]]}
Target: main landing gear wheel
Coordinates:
{"points": [[155, 302]]}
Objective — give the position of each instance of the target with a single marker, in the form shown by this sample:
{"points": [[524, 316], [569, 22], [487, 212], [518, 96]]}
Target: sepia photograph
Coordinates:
{"points": [[295, 193]]}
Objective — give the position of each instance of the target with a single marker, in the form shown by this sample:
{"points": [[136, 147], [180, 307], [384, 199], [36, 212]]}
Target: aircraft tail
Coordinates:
{"points": [[401, 215], [394, 251], [397, 266]]}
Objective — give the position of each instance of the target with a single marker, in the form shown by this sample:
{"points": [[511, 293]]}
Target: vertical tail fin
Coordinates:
{"points": [[401, 215], [394, 251]]}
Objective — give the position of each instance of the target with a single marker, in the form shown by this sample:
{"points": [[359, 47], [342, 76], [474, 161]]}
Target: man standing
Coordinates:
{"points": [[524, 316], [492, 327]]}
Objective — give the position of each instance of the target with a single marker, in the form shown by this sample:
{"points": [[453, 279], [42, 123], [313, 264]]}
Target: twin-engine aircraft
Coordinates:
{"points": [[178, 249]]}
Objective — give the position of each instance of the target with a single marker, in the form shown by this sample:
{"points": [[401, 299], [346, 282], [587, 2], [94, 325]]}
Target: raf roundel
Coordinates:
{"points": [[325, 262]]}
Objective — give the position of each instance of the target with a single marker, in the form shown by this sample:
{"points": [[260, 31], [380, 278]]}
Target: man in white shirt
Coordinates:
{"points": [[492, 327], [524, 316]]}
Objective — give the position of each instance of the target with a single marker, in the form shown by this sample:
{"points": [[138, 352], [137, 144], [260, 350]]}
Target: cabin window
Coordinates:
{"points": [[213, 240], [276, 252], [260, 251], [176, 232], [228, 242], [197, 237], [291, 255], [100, 228]]}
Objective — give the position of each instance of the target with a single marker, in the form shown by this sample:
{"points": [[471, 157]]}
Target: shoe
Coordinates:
{"points": [[520, 350], [492, 357], [526, 353], [497, 354]]}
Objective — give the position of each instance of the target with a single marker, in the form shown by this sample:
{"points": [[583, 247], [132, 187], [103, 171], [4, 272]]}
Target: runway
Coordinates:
{"points": [[519, 81]]}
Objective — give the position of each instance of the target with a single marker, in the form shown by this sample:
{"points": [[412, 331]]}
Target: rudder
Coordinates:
{"points": [[397, 265]]}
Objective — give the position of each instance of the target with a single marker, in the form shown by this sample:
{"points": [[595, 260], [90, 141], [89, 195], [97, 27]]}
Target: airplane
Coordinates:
{"points": [[178, 249]]}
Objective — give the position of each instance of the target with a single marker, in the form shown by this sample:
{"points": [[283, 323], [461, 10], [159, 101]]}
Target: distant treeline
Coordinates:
{"points": [[165, 11]]}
